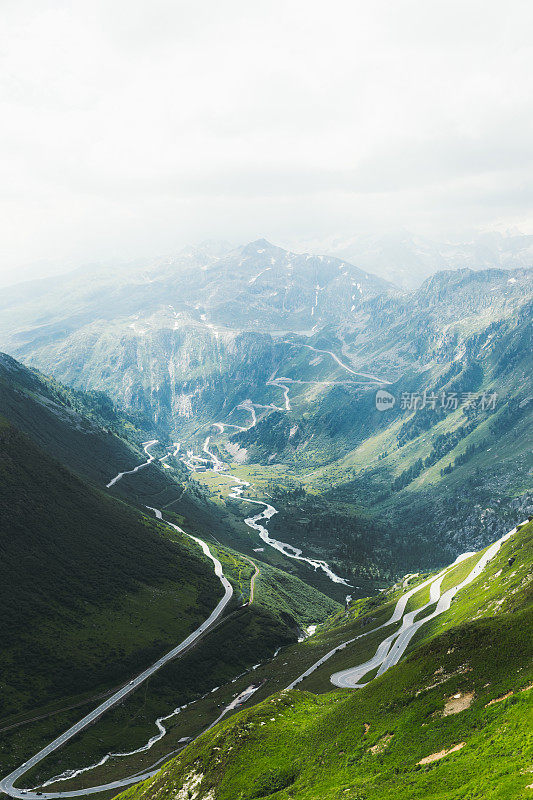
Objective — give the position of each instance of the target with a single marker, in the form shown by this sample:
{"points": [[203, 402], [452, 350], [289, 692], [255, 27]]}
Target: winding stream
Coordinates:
{"points": [[7, 783], [192, 462], [268, 511]]}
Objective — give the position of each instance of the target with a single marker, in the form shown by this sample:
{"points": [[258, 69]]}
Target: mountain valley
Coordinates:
{"points": [[320, 442], [266, 400]]}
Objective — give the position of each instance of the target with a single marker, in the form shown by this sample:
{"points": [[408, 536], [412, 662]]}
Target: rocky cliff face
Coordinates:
{"points": [[437, 320], [186, 340], [176, 374], [182, 338], [300, 344]]}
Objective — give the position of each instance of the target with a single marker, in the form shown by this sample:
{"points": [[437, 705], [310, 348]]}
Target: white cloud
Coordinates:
{"points": [[133, 126]]}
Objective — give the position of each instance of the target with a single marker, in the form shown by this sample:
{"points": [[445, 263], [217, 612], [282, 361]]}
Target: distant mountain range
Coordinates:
{"points": [[75, 544], [182, 344], [406, 260], [326, 432]]}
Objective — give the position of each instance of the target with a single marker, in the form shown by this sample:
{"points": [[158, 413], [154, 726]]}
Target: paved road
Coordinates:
{"points": [[120, 475], [444, 602], [252, 580], [392, 647], [397, 615], [7, 783], [268, 511], [247, 405], [278, 382], [160, 721], [339, 362]]}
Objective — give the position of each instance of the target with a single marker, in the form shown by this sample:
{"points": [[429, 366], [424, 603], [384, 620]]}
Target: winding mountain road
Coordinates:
{"points": [[389, 651], [254, 522], [278, 383], [392, 647], [70, 774], [339, 362], [7, 784], [151, 458], [192, 462]]}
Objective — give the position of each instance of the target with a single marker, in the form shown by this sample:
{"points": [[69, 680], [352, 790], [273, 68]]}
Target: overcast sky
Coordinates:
{"points": [[131, 127]]}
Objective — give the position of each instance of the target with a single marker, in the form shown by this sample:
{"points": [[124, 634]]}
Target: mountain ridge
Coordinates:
{"points": [[466, 683]]}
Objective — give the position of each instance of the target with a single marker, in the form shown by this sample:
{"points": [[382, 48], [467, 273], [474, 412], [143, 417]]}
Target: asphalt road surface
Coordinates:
{"points": [[7, 784], [392, 647]]}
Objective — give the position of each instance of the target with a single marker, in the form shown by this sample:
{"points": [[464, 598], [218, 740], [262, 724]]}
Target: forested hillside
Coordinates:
{"points": [[70, 555]]}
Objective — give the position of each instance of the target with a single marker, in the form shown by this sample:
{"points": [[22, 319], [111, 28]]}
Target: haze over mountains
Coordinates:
{"points": [[403, 258], [303, 342], [266, 400], [406, 259], [236, 395]]}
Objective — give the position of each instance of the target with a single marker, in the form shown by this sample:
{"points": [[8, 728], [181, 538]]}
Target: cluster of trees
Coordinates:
{"points": [[408, 475], [445, 442], [470, 451], [422, 421], [351, 542], [513, 411]]}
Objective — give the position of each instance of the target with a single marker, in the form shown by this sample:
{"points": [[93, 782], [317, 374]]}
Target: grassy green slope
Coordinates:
{"points": [[91, 588], [83, 431], [442, 480], [452, 720], [250, 635], [276, 592], [96, 441]]}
